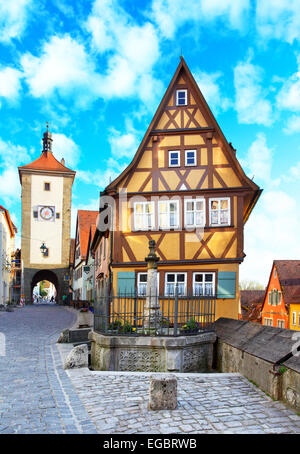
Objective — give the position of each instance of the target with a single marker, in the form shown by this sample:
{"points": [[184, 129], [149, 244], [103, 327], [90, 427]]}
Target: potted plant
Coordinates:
{"points": [[191, 327]]}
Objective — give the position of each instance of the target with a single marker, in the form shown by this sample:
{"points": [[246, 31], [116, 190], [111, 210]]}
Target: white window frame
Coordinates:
{"points": [[168, 202], [152, 214], [281, 322], [166, 283], [186, 211], [219, 199], [294, 318], [204, 273], [178, 154], [139, 283], [186, 158], [185, 97], [267, 324]]}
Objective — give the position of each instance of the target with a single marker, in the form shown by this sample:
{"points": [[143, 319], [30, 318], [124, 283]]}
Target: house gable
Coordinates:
{"points": [[183, 128]]}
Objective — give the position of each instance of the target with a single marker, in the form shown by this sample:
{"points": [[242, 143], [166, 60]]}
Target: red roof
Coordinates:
{"points": [[85, 219], [251, 304], [10, 224], [46, 162], [289, 278]]}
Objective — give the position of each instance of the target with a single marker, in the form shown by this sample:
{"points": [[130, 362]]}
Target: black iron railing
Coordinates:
{"points": [[176, 315]]}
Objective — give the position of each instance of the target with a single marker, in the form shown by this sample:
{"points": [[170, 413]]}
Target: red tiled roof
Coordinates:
{"points": [[289, 278], [86, 219], [10, 224], [46, 162], [251, 304]]}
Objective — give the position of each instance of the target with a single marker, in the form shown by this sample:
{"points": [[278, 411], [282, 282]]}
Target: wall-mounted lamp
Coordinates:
{"points": [[43, 249]]}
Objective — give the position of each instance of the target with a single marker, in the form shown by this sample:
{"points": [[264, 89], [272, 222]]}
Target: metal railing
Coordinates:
{"points": [[176, 315]]}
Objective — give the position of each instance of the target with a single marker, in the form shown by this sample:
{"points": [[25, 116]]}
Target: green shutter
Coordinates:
{"points": [[226, 284], [126, 282]]}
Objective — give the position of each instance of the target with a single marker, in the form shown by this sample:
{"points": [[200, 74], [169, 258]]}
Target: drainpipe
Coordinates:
{"points": [[111, 253]]}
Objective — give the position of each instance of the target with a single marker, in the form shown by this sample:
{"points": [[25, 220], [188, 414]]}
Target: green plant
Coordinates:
{"points": [[282, 370], [165, 322], [127, 328], [116, 324], [191, 325]]}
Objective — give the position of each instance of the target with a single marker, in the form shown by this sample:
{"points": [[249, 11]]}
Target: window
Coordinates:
{"points": [[294, 317], [299, 319], [219, 211], [57, 215], [174, 158], [204, 284], [46, 186], [280, 323], [143, 215], [270, 298], [268, 321], [190, 158], [142, 283], [173, 279], [35, 214], [181, 97], [168, 214], [194, 212]]}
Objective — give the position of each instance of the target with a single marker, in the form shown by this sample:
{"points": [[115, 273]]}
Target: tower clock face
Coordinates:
{"points": [[47, 213]]}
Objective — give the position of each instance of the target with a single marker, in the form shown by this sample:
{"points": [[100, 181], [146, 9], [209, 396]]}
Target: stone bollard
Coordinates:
{"points": [[163, 392], [78, 357]]}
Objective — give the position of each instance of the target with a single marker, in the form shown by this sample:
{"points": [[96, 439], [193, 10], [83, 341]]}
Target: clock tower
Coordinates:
{"points": [[46, 220]]}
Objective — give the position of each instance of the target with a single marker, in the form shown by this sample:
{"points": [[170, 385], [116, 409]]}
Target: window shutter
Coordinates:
{"points": [[226, 284], [126, 282]]}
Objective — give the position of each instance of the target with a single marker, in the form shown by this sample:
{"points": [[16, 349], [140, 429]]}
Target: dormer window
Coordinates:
{"points": [[181, 97]]}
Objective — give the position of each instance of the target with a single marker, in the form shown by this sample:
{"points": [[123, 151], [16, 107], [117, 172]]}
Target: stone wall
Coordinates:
{"points": [[152, 354], [259, 353]]}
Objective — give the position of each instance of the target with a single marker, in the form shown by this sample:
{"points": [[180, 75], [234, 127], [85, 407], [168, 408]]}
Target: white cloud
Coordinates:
{"points": [[123, 145], [169, 15], [259, 159], [293, 125], [64, 66], [11, 156], [101, 177], [250, 102], [268, 237], [278, 19], [289, 95], [64, 147], [13, 18], [208, 84], [131, 49], [10, 84]]}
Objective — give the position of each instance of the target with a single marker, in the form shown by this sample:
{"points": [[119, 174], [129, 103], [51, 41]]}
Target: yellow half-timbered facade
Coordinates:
{"points": [[186, 190]]}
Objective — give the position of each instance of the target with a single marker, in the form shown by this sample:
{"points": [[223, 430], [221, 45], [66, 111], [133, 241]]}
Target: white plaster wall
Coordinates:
{"points": [[46, 231]]}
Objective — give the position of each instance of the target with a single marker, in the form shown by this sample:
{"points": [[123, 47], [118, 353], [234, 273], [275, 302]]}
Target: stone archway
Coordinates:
{"points": [[46, 275]]}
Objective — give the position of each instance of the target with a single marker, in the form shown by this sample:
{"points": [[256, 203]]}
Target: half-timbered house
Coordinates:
{"points": [[186, 190]]}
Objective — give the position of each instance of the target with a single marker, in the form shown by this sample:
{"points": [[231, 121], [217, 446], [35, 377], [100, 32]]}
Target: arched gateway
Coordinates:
{"points": [[46, 220]]}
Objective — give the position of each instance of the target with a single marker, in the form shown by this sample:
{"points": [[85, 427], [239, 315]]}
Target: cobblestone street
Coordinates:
{"points": [[38, 396], [207, 403]]}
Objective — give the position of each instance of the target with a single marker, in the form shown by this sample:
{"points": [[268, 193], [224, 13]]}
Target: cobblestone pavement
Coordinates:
{"points": [[36, 395], [207, 403]]}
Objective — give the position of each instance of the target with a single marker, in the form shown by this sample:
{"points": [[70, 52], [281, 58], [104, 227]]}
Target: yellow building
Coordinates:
{"points": [[186, 190]]}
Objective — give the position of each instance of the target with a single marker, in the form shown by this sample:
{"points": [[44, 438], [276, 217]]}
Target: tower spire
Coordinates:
{"points": [[47, 140]]}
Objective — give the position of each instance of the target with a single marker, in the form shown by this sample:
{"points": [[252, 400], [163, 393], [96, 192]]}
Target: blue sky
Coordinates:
{"points": [[97, 70]]}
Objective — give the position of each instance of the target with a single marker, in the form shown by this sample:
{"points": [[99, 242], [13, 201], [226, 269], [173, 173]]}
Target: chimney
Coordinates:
{"points": [[63, 161]]}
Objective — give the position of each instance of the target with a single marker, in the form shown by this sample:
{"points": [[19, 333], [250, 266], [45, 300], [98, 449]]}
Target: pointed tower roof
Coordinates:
{"points": [[46, 163]]}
